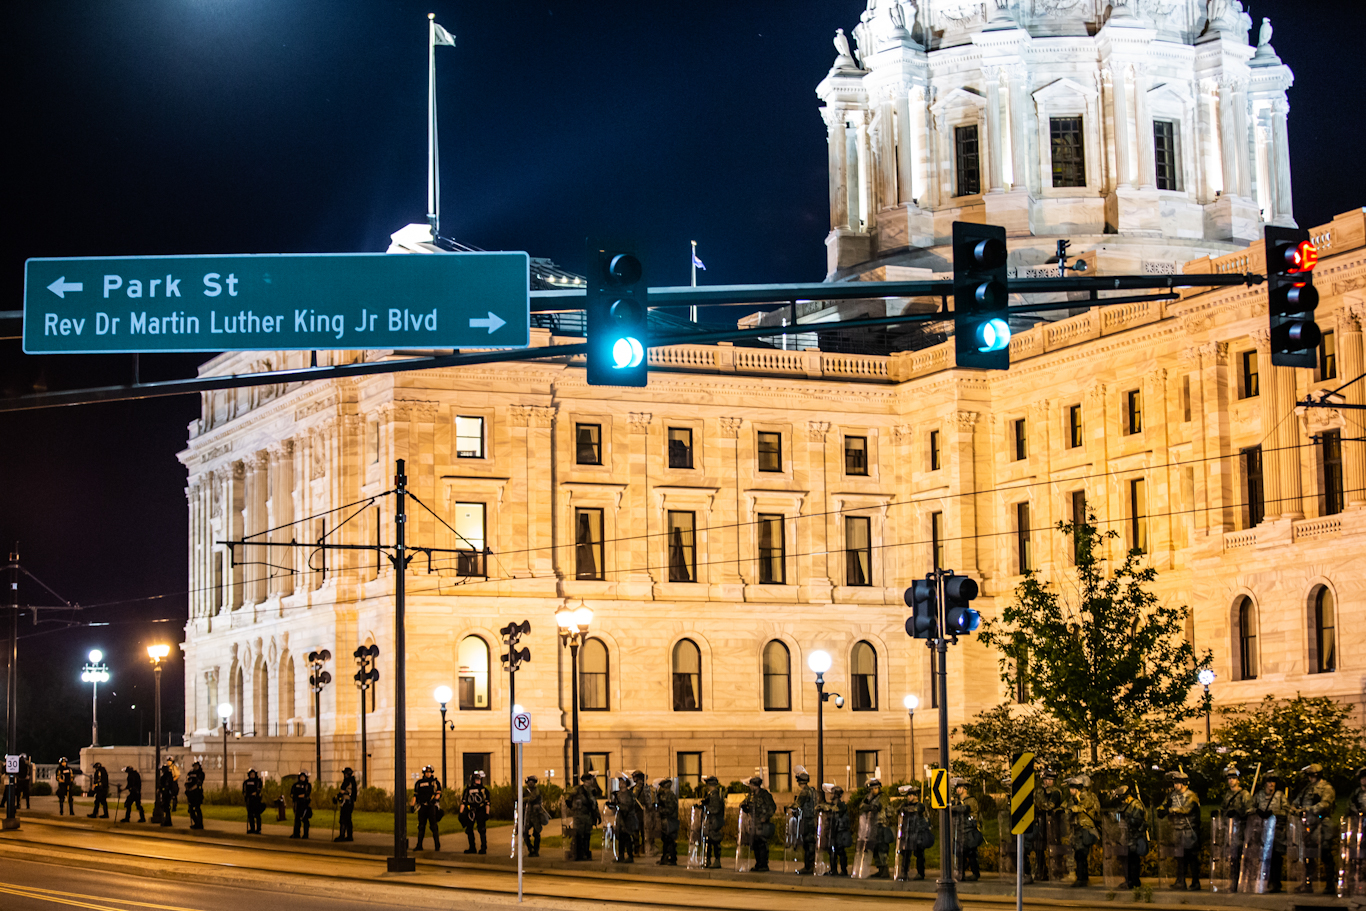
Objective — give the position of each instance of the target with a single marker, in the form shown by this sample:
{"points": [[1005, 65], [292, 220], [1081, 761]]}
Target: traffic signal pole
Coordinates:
{"points": [[400, 862], [946, 889]]}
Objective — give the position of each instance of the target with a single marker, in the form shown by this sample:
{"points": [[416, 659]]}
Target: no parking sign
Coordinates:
{"points": [[521, 727]]}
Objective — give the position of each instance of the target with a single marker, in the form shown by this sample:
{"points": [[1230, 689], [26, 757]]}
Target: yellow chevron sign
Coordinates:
{"points": [[1021, 793], [939, 789]]}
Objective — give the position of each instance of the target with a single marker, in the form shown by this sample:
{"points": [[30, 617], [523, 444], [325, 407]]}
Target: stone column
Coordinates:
{"points": [[518, 516], [639, 514], [1143, 130], [1353, 364], [1241, 150], [934, 187], [258, 491], [960, 525], [195, 568], [1288, 463], [887, 194], [905, 141], [866, 216], [1119, 84], [1271, 414], [234, 507], [1021, 172], [995, 144], [541, 537], [281, 515], [839, 168], [727, 508], [1283, 211], [824, 532]]}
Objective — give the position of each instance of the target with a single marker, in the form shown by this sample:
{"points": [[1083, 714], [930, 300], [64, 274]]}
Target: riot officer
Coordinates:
{"points": [[165, 783], [1315, 801], [1356, 803], [1047, 826], [474, 812], [714, 820], [99, 786], [1270, 803], [805, 802], [967, 830], [761, 806], [252, 789], [25, 780], [1236, 805], [302, 794], [841, 838], [346, 804], [583, 805], [645, 801], [880, 826], [134, 798], [914, 823], [1083, 812], [1134, 817], [194, 795], [1184, 808], [427, 801], [623, 800], [66, 788], [666, 805], [533, 815]]}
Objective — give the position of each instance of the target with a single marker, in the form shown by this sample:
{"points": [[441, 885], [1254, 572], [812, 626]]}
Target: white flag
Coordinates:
{"points": [[441, 37]]}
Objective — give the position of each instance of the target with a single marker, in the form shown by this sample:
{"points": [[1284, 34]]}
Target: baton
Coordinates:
{"points": [[1255, 776]]}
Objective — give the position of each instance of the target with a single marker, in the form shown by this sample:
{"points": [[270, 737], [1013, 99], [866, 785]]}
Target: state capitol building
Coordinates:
{"points": [[754, 504]]}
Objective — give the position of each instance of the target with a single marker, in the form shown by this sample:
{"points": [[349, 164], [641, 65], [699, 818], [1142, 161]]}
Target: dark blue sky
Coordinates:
{"points": [[261, 126]]}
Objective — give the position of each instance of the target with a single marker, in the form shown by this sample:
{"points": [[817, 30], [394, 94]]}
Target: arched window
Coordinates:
{"points": [[473, 659], [260, 721], [235, 688], [1324, 633], [777, 677], [287, 709], [593, 677], [863, 677], [1248, 664], [687, 676]]}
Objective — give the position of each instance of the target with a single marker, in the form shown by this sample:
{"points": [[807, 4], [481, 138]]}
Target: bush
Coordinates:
{"points": [[40, 789], [374, 800]]}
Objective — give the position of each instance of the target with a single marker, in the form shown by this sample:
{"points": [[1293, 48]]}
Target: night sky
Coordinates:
{"points": [[261, 126]]}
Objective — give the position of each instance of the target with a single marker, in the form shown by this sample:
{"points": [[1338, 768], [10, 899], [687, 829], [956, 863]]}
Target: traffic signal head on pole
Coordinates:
{"points": [[1292, 297], [617, 306], [921, 598], [981, 296], [959, 617]]}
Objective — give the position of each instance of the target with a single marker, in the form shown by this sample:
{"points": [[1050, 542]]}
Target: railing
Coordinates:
{"points": [[1236, 539], [1315, 528]]}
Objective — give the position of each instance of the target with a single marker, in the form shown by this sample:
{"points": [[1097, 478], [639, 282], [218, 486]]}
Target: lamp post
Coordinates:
{"points": [[820, 662], [224, 715], [443, 695], [912, 702], [573, 626], [318, 679], [1206, 677], [158, 653], [95, 673]]}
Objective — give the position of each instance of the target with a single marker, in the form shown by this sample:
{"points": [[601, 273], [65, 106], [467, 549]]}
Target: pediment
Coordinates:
{"points": [[1169, 93], [958, 98], [1059, 89]]}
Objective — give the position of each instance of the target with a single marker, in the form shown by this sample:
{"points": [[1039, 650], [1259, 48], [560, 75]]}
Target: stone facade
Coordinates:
{"points": [[1166, 396]]}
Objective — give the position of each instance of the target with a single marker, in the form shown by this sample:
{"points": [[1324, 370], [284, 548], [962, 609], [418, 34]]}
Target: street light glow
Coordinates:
{"points": [[582, 618], [1206, 677], [442, 694], [819, 661], [157, 652], [224, 711], [912, 702], [95, 655]]}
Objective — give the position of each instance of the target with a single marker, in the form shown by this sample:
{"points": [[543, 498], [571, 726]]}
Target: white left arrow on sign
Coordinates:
{"points": [[493, 323], [61, 286]]}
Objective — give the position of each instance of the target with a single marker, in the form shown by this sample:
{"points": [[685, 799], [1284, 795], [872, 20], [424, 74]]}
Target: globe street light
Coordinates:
{"points": [[95, 673], [443, 695], [224, 714], [158, 653], [912, 702], [573, 626], [819, 662], [1206, 677]]}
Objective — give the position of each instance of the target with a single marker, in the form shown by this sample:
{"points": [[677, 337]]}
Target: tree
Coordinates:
{"points": [[1112, 665], [995, 735]]}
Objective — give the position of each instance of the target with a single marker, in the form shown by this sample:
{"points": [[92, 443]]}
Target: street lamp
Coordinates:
{"points": [[158, 653], [224, 714], [912, 702], [443, 695], [1206, 677], [819, 662], [573, 626], [95, 673], [318, 679]]}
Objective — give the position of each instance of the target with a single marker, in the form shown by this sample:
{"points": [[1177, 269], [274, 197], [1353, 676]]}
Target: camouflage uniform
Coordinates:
{"points": [[1316, 801], [1083, 811], [1272, 803]]}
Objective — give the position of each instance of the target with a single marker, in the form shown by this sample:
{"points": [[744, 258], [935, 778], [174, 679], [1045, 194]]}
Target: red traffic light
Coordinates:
{"points": [[1302, 257]]}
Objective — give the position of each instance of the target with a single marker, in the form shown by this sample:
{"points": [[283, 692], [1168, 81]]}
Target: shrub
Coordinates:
{"points": [[40, 789]]}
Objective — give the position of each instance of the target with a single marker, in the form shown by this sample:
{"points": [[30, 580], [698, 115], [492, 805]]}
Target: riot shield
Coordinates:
{"points": [[1166, 853], [744, 839], [1352, 875], [1059, 844], [611, 851], [1225, 853], [697, 859], [864, 864], [1114, 850], [1259, 843], [650, 826], [825, 840], [1301, 849], [792, 838], [1005, 843], [517, 833], [905, 850], [566, 828]]}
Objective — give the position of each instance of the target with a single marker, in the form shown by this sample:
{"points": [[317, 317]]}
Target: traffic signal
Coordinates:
{"points": [[617, 305], [959, 617], [981, 296], [1292, 297], [922, 599], [514, 657]]}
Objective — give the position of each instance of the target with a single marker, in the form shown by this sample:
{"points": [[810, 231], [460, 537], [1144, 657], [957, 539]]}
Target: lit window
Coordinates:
{"points": [[588, 444], [469, 538], [1069, 155], [1251, 379], [1133, 411], [772, 558], [682, 546], [680, 447], [1021, 439], [474, 673], [1253, 491], [777, 677], [856, 455], [1138, 515], [935, 463], [858, 551], [863, 677], [1249, 663], [1074, 427], [593, 677], [1325, 632], [1024, 549], [770, 451], [588, 544], [687, 676], [469, 438], [1330, 450]]}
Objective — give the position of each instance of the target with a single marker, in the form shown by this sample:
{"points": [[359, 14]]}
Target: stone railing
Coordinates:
{"points": [[1315, 528], [1236, 539], [809, 362]]}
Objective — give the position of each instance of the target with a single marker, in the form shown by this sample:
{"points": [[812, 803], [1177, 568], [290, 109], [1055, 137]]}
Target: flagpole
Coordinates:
{"points": [[692, 311], [433, 178]]}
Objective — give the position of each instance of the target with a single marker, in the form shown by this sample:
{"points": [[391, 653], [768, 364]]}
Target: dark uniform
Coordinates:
{"points": [[666, 805], [1083, 812], [761, 806], [534, 814], [841, 837], [714, 820], [1047, 818], [474, 812], [251, 796], [194, 795], [134, 798], [645, 800], [99, 786], [66, 788], [806, 801], [1315, 802], [876, 806], [346, 803], [583, 806], [914, 821], [25, 780], [301, 793], [165, 781], [1270, 802], [967, 831], [628, 820], [1135, 818], [1237, 804], [427, 800], [1184, 808]]}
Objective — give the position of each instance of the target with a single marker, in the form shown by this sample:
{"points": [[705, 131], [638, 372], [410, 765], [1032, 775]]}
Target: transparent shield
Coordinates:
{"points": [[904, 846], [1005, 842], [1059, 841], [863, 865], [744, 839], [696, 854], [1167, 852], [1225, 853], [566, 828], [1301, 849], [1114, 849], [611, 851], [1259, 845], [1352, 878], [651, 829], [792, 838], [518, 834], [825, 838]]}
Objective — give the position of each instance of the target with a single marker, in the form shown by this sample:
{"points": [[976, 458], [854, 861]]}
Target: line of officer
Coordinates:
{"points": [[252, 789], [666, 805], [134, 788], [761, 806], [427, 801], [1184, 808], [841, 838], [99, 787], [1315, 804], [805, 801], [913, 821], [194, 795], [346, 803], [623, 800], [645, 801], [534, 816], [302, 794], [1236, 805], [583, 806], [165, 782], [1047, 829], [1083, 812], [713, 805], [1134, 817], [474, 812], [66, 788], [1270, 803], [875, 807], [967, 831], [25, 781]]}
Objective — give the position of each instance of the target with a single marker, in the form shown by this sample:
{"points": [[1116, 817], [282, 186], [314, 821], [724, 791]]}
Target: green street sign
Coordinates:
{"points": [[280, 302]]}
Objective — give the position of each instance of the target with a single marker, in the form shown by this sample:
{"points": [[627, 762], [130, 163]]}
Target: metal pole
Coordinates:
{"points": [[317, 728], [521, 823], [1019, 873], [913, 772], [225, 756], [820, 733], [946, 897], [156, 771], [574, 700], [444, 779], [400, 862], [95, 713], [364, 753], [1207, 734], [11, 700]]}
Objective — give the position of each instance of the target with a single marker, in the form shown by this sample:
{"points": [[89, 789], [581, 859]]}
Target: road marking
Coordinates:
{"points": [[36, 892]]}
